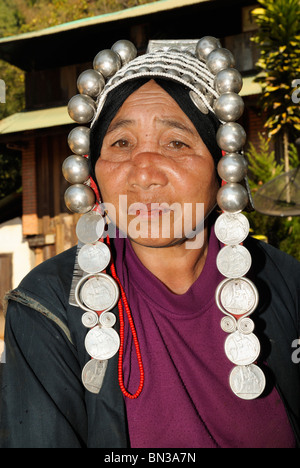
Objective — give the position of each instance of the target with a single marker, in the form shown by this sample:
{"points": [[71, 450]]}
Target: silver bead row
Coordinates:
{"points": [[79, 197], [232, 227]]}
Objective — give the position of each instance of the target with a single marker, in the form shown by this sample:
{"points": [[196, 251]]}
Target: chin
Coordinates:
{"points": [[160, 243]]}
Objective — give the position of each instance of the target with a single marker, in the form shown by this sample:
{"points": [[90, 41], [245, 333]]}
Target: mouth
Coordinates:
{"points": [[149, 210]]}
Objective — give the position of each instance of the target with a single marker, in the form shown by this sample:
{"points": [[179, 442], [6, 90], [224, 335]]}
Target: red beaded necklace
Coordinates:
{"points": [[123, 300]]}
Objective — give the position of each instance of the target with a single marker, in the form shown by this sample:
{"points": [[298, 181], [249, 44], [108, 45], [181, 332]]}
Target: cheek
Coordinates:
{"points": [[110, 179], [201, 184]]}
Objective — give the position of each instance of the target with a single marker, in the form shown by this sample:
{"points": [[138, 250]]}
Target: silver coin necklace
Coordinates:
{"points": [[237, 298], [97, 293]]}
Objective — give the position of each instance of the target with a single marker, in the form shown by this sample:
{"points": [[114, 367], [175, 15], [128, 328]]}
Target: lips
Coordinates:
{"points": [[148, 210]]}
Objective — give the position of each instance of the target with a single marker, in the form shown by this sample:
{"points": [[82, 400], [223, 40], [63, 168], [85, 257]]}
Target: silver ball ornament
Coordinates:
{"points": [[231, 137], [228, 80], [75, 169], [126, 50], [232, 167], [81, 108], [205, 46], [79, 198], [79, 140], [219, 59], [229, 107], [107, 62], [90, 82], [232, 198]]}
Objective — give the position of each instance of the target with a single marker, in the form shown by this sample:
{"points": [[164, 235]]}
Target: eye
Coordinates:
{"points": [[178, 144], [121, 143]]}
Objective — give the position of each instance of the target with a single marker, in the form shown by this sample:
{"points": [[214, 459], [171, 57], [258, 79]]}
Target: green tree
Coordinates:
{"points": [[262, 163], [278, 37], [11, 21], [39, 14], [283, 233], [11, 18], [15, 89], [10, 172]]}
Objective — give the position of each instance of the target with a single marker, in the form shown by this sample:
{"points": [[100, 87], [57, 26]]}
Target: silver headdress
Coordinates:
{"points": [[207, 70]]}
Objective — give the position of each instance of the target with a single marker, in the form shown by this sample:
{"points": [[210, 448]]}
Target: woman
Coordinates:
{"points": [[168, 374]]}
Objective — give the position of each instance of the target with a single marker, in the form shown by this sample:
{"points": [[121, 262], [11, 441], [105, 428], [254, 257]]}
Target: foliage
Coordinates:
{"points": [[15, 89], [10, 18], [10, 172], [11, 21], [278, 37], [39, 14], [283, 233], [262, 164]]}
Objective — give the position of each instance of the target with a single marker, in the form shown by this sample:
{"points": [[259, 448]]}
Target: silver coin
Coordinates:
{"points": [[96, 292], [199, 103], [245, 325], [102, 343], [94, 258], [234, 261], [242, 349], [89, 319], [93, 375], [232, 228], [90, 227], [99, 293], [107, 319], [247, 382], [237, 296], [228, 324]]}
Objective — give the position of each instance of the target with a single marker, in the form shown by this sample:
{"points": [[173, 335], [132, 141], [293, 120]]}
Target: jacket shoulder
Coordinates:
{"points": [[274, 261], [49, 283], [277, 277]]}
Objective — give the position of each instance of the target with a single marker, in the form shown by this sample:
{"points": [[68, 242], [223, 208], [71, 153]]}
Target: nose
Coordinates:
{"points": [[147, 171]]}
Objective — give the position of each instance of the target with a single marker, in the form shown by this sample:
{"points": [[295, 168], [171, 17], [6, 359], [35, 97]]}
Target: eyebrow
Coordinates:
{"points": [[118, 124], [170, 123]]}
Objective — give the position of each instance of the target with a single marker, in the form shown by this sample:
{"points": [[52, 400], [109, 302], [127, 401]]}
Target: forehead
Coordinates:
{"points": [[148, 91], [151, 101]]}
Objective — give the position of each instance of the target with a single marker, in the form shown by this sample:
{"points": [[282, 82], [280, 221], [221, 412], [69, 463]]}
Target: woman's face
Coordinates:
{"points": [[156, 176]]}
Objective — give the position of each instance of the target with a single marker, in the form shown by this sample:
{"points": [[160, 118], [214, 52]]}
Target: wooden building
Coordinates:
{"points": [[53, 59]]}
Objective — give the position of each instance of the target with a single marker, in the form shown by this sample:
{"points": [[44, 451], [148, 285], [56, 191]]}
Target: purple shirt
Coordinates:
{"points": [[186, 401]]}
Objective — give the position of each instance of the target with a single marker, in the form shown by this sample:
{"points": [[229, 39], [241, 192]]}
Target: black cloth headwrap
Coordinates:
{"points": [[205, 124]]}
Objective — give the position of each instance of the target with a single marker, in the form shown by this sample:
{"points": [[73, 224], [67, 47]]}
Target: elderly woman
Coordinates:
{"points": [[178, 331]]}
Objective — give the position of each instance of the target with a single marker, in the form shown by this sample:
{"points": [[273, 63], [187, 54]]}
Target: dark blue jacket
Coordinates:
{"points": [[43, 402]]}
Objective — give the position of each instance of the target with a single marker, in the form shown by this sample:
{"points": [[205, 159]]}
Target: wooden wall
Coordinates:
{"points": [[48, 225], [52, 87]]}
